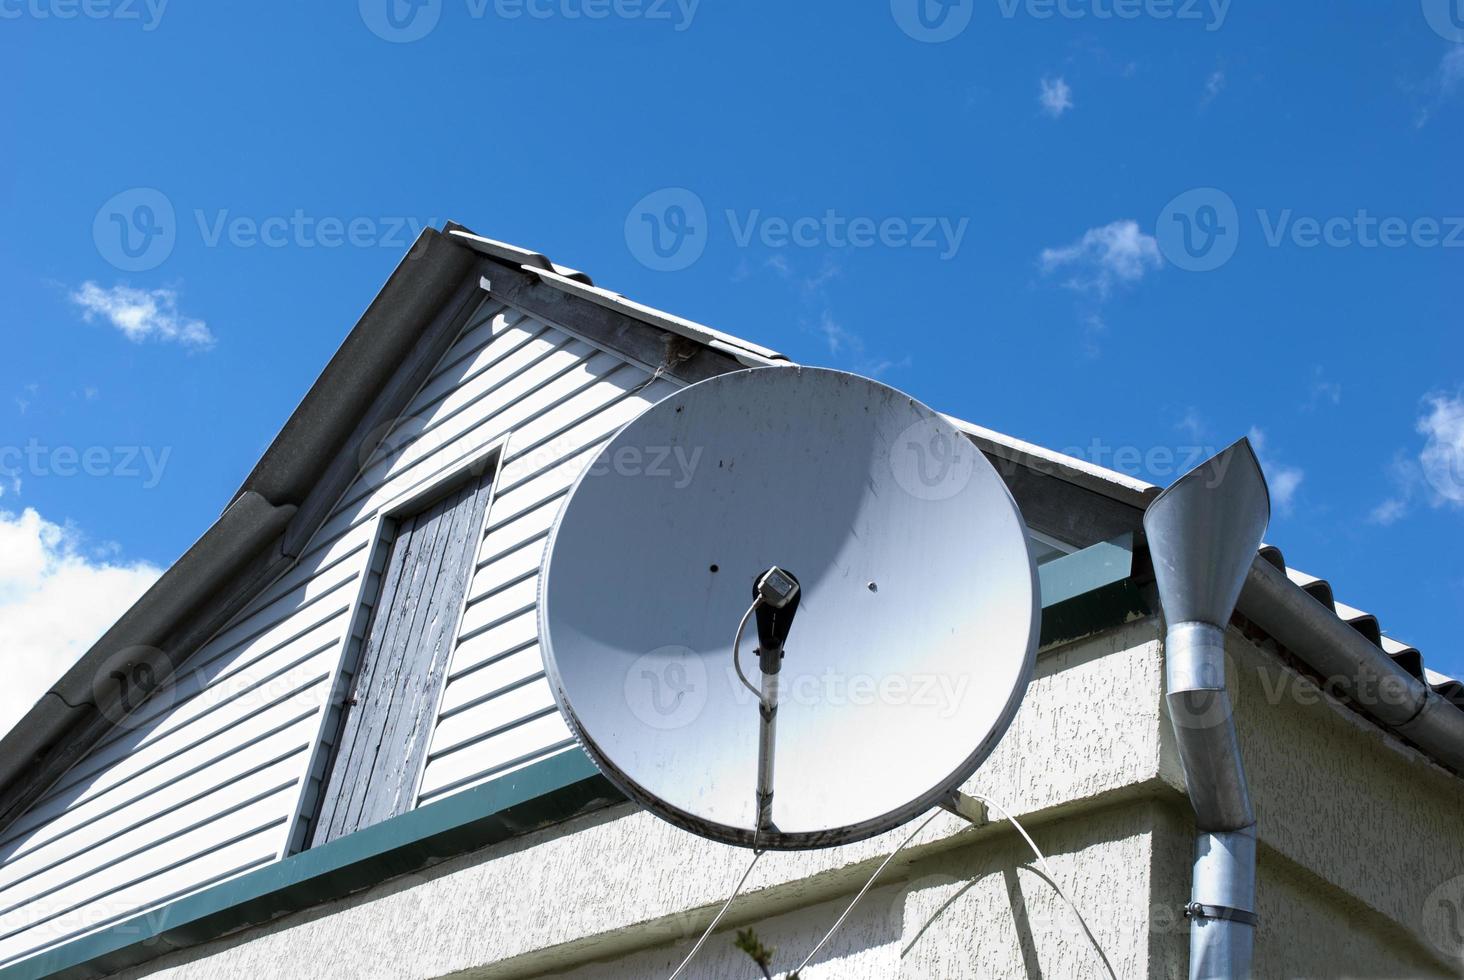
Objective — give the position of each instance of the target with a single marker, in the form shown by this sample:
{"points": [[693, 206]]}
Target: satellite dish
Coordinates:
{"points": [[916, 623]]}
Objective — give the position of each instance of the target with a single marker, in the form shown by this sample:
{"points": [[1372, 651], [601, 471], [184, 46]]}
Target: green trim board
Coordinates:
{"points": [[1082, 593]]}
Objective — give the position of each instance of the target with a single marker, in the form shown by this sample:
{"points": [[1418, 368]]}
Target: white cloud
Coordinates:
{"points": [[1283, 480], [1117, 253], [1322, 391], [1451, 71], [1389, 512], [1214, 85], [1191, 423], [1055, 97], [55, 601], [850, 345], [1442, 457], [1447, 80], [837, 337], [142, 313], [1436, 471]]}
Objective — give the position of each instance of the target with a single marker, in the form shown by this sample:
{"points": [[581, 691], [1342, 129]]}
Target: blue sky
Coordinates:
{"points": [[1134, 229]]}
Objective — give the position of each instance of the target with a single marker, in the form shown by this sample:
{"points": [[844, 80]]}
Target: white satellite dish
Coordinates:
{"points": [[916, 623]]}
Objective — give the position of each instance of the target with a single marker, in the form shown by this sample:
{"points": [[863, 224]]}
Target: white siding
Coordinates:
{"points": [[206, 780]]}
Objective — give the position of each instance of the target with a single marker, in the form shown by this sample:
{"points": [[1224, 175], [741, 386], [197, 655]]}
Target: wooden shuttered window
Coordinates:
{"points": [[386, 724]]}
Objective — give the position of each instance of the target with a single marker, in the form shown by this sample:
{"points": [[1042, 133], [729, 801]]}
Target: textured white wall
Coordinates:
{"points": [[623, 882], [1357, 832]]}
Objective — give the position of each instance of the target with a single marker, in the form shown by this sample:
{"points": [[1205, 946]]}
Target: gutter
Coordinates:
{"points": [[1351, 665]]}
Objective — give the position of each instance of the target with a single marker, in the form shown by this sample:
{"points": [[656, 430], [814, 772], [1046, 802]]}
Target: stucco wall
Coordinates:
{"points": [[1358, 833], [1362, 837], [1085, 743]]}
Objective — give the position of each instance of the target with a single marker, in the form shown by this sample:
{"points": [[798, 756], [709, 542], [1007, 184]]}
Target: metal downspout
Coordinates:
{"points": [[1203, 533]]}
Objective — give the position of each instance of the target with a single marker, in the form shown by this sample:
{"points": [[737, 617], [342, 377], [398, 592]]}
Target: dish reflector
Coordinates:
{"points": [[914, 638]]}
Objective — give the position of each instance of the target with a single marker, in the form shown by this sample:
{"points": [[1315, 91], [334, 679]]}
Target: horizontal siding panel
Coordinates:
{"points": [[516, 633], [587, 421], [250, 848], [61, 890], [299, 687], [539, 436], [453, 442], [506, 748], [203, 796], [494, 678], [260, 738], [481, 721], [197, 695], [517, 531], [487, 392], [511, 352], [515, 566], [486, 324], [498, 607], [521, 396], [334, 583], [322, 556], [550, 485]]}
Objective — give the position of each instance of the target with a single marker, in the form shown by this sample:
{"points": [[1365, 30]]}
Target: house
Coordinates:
{"points": [[248, 776]]}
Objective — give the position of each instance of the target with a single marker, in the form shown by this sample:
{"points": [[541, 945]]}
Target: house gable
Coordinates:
{"points": [[217, 773]]}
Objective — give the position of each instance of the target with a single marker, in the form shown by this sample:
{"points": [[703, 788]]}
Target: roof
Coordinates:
{"points": [[378, 367]]}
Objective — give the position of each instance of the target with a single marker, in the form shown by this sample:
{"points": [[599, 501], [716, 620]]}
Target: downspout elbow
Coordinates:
{"points": [[1203, 534]]}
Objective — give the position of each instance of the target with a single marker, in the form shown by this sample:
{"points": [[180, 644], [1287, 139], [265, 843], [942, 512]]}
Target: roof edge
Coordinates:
{"points": [[209, 576]]}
